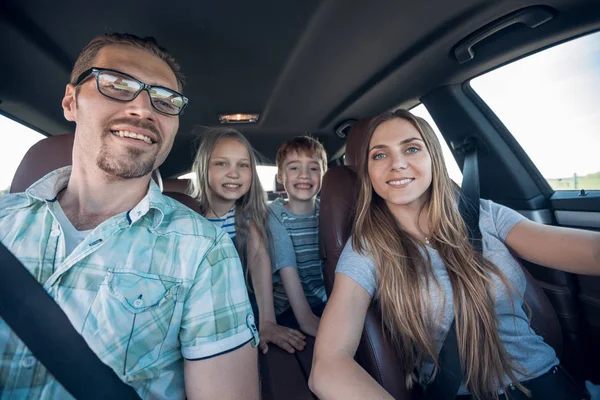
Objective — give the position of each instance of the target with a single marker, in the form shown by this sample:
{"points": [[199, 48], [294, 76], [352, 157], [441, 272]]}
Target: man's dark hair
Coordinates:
{"points": [[149, 44]]}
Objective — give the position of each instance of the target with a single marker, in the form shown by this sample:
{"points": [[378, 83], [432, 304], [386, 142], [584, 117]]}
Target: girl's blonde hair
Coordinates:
{"points": [[252, 206], [405, 272]]}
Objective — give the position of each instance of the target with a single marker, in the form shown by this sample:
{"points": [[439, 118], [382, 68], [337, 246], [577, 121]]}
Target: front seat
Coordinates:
{"points": [[56, 152], [375, 352]]}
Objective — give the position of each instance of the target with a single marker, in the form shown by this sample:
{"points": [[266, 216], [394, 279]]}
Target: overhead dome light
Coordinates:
{"points": [[238, 118]]}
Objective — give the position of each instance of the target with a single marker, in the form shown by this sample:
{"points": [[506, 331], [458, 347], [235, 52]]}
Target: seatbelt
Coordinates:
{"points": [[469, 199], [46, 330], [450, 375]]}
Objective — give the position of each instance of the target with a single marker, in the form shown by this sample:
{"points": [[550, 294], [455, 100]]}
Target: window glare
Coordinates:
{"points": [[16, 139], [266, 174], [549, 102], [451, 165]]}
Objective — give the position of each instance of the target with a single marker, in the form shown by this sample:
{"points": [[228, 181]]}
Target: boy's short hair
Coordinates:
{"points": [[302, 145]]}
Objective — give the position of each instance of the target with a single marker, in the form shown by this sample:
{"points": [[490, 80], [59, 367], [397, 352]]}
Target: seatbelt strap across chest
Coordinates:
{"points": [[450, 375], [46, 330]]}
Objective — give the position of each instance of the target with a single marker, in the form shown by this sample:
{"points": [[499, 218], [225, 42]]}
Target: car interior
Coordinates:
{"points": [[323, 68]]}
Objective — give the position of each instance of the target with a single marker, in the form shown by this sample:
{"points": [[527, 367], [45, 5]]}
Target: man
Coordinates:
{"points": [[156, 291]]}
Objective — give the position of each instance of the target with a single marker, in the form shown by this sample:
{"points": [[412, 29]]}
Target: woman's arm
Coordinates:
{"points": [[566, 249], [335, 374], [259, 266]]}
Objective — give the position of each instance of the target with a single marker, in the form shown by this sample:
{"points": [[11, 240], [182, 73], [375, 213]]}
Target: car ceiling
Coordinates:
{"points": [[306, 65]]}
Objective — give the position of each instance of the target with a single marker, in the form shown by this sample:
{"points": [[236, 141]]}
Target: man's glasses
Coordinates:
{"points": [[122, 87]]}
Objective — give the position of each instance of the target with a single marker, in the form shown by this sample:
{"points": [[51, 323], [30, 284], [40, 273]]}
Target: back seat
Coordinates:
{"points": [[283, 376], [176, 185]]}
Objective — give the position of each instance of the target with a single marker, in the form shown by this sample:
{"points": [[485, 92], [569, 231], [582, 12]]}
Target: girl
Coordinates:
{"points": [[231, 196], [410, 250]]}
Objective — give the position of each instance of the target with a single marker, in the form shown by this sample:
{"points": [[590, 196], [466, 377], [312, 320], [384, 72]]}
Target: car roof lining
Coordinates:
{"points": [[296, 64]]}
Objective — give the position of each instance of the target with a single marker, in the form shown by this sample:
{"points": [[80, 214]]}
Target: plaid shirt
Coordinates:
{"points": [[145, 288]]}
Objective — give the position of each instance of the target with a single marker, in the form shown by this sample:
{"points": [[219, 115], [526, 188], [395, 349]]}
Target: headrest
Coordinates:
{"points": [[158, 179], [176, 185], [184, 199], [47, 155], [338, 198], [356, 138]]}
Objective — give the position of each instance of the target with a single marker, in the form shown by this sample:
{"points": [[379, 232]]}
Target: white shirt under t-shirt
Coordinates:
{"points": [[71, 235]]}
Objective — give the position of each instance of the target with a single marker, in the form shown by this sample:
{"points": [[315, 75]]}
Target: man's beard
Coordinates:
{"points": [[137, 162], [136, 165]]}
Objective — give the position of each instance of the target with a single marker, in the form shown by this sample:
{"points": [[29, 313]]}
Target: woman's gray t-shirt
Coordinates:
{"points": [[526, 348]]}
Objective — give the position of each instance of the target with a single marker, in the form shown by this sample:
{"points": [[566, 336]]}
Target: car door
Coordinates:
{"points": [[538, 128]]}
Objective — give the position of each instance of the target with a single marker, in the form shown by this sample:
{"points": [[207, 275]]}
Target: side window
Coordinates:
{"points": [[549, 102], [16, 139], [451, 165], [266, 174]]}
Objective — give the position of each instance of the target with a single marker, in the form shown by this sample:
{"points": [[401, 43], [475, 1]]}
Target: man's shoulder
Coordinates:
{"points": [[13, 201], [182, 220]]}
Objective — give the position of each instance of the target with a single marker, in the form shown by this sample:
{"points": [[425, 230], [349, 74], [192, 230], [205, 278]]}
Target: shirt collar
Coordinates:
{"points": [[48, 187], [280, 204], [154, 200]]}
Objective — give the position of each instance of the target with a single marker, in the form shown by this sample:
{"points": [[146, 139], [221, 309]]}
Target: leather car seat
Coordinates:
{"points": [[176, 185], [45, 156]]}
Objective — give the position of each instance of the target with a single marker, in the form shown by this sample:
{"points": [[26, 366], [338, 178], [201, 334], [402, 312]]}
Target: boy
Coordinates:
{"points": [[298, 286]]}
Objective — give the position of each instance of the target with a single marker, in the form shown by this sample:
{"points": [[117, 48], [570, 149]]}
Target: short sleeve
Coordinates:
{"points": [[283, 248], [503, 218], [217, 316], [360, 268]]}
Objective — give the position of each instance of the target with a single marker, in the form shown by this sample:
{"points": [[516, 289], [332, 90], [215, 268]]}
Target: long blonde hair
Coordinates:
{"points": [[405, 271], [252, 206]]}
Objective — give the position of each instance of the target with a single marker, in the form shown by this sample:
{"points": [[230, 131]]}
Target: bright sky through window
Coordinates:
{"points": [[16, 139], [549, 102], [266, 174]]}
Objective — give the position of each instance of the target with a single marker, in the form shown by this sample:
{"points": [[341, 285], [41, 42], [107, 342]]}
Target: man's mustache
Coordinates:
{"points": [[138, 123]]}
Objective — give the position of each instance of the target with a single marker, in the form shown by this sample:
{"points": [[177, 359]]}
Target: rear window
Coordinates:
{"points": [[16, 139], [266, 175], [550, 101]]}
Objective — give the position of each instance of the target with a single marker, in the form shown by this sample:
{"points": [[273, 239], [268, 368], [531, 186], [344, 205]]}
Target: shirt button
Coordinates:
{"points": [[28, 362], [55, 232], [138, 303]]}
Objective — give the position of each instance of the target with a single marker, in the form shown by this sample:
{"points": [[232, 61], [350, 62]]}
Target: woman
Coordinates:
{"points": [[410, 251]]}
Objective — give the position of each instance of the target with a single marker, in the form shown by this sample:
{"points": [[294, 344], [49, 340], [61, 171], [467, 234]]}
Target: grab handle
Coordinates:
{"points": [[531, 16]]}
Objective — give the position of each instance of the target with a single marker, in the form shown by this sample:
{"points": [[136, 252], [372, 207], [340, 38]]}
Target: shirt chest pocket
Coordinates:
{"points": [[133, 321], [140, 293]]}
